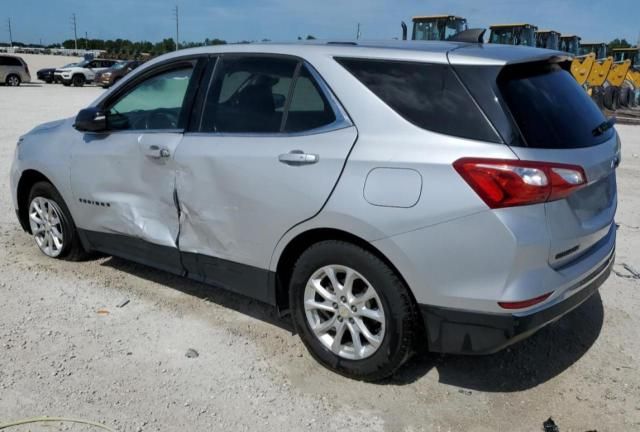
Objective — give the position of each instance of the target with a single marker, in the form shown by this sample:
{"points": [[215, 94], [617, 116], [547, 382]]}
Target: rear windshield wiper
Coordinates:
{"points": [[603, 127]]}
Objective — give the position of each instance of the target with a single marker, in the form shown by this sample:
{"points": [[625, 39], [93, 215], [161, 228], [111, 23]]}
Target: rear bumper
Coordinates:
{"points": [[462, 332]]}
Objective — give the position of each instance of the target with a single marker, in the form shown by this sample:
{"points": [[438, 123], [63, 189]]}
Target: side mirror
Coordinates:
{"points": [[91, 120]]}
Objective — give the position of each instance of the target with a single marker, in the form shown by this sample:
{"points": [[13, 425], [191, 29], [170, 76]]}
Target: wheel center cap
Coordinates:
{"points": [[344, 311]]}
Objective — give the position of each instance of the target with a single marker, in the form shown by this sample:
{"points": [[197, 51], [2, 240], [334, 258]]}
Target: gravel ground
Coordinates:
{"points": [[66, 349]]}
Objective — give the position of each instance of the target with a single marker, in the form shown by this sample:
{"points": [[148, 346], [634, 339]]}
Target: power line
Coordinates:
{"points": [[74, 24], [177, 28]]}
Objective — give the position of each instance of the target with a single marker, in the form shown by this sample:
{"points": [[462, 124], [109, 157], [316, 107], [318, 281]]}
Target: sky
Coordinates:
{"points": [[283, 20]]}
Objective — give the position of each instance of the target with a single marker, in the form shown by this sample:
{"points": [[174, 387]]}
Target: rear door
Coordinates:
{"points": [[559, 123], [269, 148]]}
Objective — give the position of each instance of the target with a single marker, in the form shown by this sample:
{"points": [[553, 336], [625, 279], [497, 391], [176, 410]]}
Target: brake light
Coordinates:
{"points": [[524, 303], [508, 183]]}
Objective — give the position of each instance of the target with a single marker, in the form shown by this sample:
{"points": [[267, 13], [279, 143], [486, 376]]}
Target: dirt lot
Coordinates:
{"points": [[126, 367]]}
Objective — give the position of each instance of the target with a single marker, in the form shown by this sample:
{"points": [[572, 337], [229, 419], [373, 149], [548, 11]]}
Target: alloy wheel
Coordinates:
{"points": [[46, 226], [13, 81], [344, 312]]}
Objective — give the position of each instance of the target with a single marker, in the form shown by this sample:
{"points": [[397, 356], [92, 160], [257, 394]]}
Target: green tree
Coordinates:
{"points": [[617, 43]]}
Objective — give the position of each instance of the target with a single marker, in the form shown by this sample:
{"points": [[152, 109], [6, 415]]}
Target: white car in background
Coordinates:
{"points": [[82, 73]]}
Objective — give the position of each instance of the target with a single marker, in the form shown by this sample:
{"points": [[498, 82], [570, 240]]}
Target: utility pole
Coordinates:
{"points": [[74, 23], [86, 40], [177, 29], [10, 34], [358, 32]]}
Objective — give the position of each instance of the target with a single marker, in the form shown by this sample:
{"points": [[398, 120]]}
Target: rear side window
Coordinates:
{"points": [[550, 108], [428, 95], [308, 108], [264, 95]]}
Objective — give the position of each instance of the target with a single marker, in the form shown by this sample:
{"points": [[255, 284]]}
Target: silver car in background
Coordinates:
{"points": [[13, 71], [386, 195]]}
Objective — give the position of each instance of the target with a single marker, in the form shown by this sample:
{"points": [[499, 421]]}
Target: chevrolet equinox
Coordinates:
{"points": [[452, 195]]}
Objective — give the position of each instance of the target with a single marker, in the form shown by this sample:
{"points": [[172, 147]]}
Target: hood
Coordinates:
{"points": [[49, 126]]}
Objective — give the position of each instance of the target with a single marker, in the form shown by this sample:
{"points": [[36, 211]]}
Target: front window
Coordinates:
{"points": [[153, 104]]}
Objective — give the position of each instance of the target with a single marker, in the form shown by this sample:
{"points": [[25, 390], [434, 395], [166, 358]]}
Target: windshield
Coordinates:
{"points": [[570, 45], [634, 56], [548, 40], [119, 65], [438, 30], [513, 36], [83, 63], [69, 65]]}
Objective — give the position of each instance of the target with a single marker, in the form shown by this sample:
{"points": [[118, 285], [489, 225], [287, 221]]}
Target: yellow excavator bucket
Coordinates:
{"points": [[599, 72], [634, 76], [581, 67], [618, 73]]}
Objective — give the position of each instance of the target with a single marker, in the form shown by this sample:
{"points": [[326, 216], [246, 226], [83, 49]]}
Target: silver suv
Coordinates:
{"points": [[13, 71], [385, 195]]}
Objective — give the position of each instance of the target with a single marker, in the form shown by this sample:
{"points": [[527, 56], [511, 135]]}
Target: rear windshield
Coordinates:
{"points": [[550, 108], [428, 95]]}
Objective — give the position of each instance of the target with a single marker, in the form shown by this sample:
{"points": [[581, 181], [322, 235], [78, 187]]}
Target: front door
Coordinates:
{"points": [[269, 149], [123, 180]]}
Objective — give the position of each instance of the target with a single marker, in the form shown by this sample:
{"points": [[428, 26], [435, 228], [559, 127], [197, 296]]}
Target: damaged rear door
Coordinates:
{"points": [[123, 179], [270, 146]]}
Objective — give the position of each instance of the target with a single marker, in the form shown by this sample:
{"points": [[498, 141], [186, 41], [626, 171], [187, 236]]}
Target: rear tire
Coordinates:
{"points": [[376, 308], [53, 217], [78, 80], [611, 98], [13, 80], [598, 97], [625, 97]]}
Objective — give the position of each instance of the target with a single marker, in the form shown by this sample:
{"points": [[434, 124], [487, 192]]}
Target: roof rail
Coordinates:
{"points": [[470, 36], [341, 43]]}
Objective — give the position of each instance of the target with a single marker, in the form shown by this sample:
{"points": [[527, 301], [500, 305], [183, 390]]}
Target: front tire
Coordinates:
{"points": [[78, 80], [13, 80], [352, 312], [51, 225]]}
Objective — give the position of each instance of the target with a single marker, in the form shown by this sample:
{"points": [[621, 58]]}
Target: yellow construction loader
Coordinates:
{"points": [[549, 39], [582, 64], [599, 71], [435, 27], [630, 88], [513, 34]]}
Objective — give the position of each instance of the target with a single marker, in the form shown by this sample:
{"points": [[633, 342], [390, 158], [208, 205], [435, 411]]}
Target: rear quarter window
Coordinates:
{"points": [[428, 95], [9, 61], [550, 108]]}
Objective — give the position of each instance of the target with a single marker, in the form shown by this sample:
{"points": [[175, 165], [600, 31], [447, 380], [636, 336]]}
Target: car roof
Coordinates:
{"points": [[428, 51]]}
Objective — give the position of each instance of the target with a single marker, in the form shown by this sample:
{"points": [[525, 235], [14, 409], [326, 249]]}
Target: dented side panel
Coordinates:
{"points": [[120, 186], [237, 199]]}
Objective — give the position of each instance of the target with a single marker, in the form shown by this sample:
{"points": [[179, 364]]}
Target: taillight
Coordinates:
{"points": [[524, 303], [508, 183]]}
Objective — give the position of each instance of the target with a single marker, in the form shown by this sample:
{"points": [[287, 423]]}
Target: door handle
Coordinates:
{"points": [[298, 157], [156, 152]]}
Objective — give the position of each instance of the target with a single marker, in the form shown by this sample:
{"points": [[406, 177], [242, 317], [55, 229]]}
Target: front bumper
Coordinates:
{"points": [[462, 332]]}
